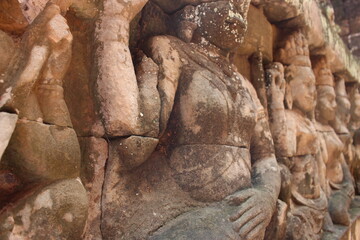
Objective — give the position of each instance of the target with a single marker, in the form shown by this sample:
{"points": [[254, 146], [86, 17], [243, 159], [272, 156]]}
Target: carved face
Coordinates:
{"points": [[326, 102], [303, 90], [223, 23], [323, 73]]}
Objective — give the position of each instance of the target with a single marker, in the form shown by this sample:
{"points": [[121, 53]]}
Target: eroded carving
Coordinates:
{"points": [[339, 186], [295, 138], [212, 128], [43, 155], [174, 142]]}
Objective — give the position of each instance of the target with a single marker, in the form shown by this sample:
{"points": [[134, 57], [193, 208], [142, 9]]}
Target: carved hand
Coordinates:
{"points": [[254, 212], [276, 81]]}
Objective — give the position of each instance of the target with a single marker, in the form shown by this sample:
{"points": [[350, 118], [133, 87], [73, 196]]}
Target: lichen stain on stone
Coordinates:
{"points": [[6, 96], [25, 215], [68, 217], [43, 200]]}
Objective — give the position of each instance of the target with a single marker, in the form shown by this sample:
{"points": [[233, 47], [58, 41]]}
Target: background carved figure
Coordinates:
{"points": [[342, 119], [295, 137], [354, 127], [339, 186]]}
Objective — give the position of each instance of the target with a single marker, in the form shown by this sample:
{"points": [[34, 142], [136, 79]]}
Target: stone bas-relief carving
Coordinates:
{"points": [[41, 196], [198, 163], [354, 130], [339, 185], [129, 120], [295, 138], [342, 119]]}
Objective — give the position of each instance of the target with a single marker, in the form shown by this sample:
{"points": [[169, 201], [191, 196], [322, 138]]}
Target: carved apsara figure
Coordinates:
{"points": [[342, 118], [339, 186], [295, 137], [354, 127], [355, 167], [214, 174], [43, 154]]}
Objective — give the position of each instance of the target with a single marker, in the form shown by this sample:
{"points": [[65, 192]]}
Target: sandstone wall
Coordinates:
{"points": [[347, 16], [179, 119]]}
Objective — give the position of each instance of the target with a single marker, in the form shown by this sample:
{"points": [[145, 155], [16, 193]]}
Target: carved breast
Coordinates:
{"points": [[211, 111], [213, 119], [334, 148]]}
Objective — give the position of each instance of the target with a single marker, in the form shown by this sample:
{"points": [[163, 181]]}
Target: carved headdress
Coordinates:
{"points": [[323, 74], [294, 50]]}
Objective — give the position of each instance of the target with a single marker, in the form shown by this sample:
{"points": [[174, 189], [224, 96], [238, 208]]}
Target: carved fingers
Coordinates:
{"points": [[276, 84], [275, 77], [254, 212]]}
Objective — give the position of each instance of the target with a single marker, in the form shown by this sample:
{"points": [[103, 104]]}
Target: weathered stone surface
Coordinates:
{"points": [[207, 223], [32, 8], [79, 80], [323, 39], [57, 211], [42, 152], [347, 16], [295, 138], [43, 148], [277, 226], [9, 184], [94, 155], [116, 76], [131, 152], [336, 172], [174, 142], [7, 48], [278, 10], [259, 36], [12, 18], [150, 108], [7, 126]]}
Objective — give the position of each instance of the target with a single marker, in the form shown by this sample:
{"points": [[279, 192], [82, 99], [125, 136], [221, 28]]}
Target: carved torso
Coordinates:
{"points": [[334, 149], [214, 116], [304, 169], [208, 142]]}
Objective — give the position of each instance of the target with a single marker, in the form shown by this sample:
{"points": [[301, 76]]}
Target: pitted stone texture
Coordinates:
{"points": [[7, 49], [348, 17], [116, 88], [324, 40], [94, 155], [7, 126], [12, 18], [79, 80], [147, 77], [131, 152], [172, 6], [259, 36], [280, 10], [58, 211], [32, 8], [211, 223], [41, 152]]}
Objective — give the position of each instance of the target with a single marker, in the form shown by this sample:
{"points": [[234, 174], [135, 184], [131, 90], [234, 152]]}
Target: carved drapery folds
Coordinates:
{"points": [[177, 119]]}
